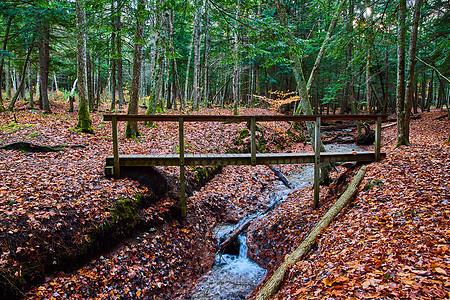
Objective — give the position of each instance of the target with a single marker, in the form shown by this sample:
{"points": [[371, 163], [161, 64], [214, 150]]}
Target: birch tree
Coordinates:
{"points": [[303, 86]]}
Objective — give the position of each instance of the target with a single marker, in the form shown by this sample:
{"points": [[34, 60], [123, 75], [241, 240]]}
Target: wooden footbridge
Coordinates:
{"points": [[114, 163]]}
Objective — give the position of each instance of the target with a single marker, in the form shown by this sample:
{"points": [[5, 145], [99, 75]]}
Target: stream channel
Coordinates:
{"points": [[236, 276]]}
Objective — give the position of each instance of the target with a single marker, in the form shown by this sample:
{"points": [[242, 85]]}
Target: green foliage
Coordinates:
{"points": [[264, 44], [372, 183]]}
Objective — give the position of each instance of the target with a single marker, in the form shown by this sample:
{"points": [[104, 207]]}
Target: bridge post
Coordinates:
{"points": [[253, 140], [316, 162], [377, 138], [115, 147], [182, 177]]}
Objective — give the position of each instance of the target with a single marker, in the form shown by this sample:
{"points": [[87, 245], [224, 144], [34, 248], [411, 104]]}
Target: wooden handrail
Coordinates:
{"points": [[243, 118]]}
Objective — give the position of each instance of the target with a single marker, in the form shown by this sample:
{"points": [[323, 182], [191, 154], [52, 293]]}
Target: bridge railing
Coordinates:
{"points": [[252, 158]]}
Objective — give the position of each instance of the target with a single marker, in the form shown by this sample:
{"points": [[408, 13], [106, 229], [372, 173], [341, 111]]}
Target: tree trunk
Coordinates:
{"points": [[99, 86], [236, 70], [387, 79], [8, 80], [90, 87], [119, 55], [44, 61], [72, 91], [401, 138], [22, 80], [423, 90], [188, 66], [196, 91], [84, 119], [429, 99], [368, 42], [31, 87], [113, 62], [38, 93], [132, 126], [2, 62], [206, 55], [56, 82]]}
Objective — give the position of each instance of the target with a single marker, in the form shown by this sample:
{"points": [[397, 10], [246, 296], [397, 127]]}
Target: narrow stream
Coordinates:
{"points": [[236, 276]]}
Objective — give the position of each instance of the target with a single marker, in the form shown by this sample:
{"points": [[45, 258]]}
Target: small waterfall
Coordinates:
{"points": [[232, 277]]}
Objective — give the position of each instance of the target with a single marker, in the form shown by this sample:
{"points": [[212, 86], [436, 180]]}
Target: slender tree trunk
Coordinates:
{"points": [[8, 80], [403, 130], [99, 85], [236, 69], [196, 90], [119, 55], [411, 64], [387, 79], [90, 87], [56, 82], [31, 87], [401, 138], [22, 80], [206, 55], [44, 61], [416, 97], [38, 93], [429, 99], [368, 41], [2, 62], [132, 126], [188, 66], [84, 119], [113, 61]]}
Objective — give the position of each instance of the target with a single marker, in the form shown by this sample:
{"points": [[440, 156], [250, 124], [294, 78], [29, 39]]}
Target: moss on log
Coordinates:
{"points": [[29, 147]]}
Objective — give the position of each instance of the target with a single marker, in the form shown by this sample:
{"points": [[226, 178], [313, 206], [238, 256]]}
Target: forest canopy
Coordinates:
{"points": [[236, 53]]}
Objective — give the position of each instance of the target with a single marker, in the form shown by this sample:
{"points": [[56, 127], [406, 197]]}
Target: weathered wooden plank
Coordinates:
{"points": [[253, 140], [243, 118], [115, 148], [240, 159], [377, 138], [316, 162]]}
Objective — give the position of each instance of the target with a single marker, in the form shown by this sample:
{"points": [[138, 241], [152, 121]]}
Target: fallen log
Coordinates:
{"points": [[273, 283], [234, 234], [339, 140], [281, 176], [29, 147], [414, 117], [388, 125], [256, 178], [442, 117], [244, 225]]}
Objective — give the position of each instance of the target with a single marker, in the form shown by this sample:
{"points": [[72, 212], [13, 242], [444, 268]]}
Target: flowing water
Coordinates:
{"points": [[236, 276]]}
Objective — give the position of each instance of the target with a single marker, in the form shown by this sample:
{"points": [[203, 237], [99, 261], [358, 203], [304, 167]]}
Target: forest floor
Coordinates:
{"points": [[63, 225]]}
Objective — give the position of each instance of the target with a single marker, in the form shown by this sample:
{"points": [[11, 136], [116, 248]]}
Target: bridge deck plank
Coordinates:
{"points": [[238, 159]]}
